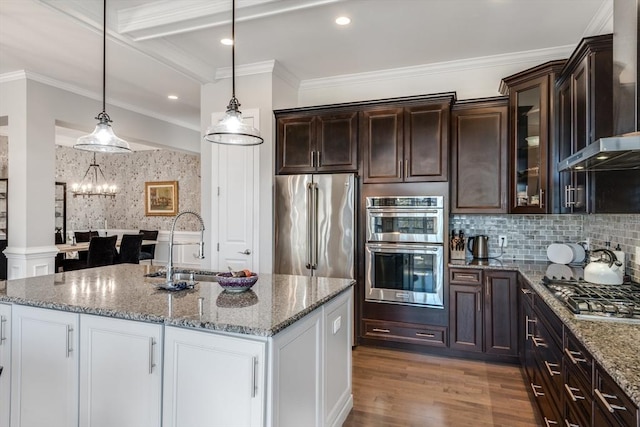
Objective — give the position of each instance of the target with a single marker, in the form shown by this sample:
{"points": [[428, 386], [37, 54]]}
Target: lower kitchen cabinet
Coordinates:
{"points": [[44, 367], [569, 388], [212, 380], [483, 311], [120, 372], [5, 363]]}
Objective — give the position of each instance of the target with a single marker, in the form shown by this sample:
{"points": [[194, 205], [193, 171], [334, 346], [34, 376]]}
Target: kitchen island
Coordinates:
{"points": [[614, 345], [276, 355]]}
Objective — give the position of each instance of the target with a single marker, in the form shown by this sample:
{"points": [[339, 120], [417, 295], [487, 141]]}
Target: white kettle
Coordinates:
{"points": [[606, 270]]}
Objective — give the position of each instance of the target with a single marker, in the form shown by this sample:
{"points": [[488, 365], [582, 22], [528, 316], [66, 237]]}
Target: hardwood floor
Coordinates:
{"points": [[395, 388]]}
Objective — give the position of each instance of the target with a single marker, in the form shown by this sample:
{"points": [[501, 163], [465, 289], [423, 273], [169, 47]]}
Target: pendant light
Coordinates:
{"points": [[103, 139], [231, 130]]}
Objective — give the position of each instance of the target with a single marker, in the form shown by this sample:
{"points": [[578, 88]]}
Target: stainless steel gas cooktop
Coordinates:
{"points": [[592, 301]]}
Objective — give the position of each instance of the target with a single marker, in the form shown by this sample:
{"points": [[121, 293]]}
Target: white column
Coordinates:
{"points": [[31, 134]]}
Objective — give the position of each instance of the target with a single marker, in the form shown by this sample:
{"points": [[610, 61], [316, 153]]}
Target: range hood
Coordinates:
{"points": [[613, 153], [621, 152]]}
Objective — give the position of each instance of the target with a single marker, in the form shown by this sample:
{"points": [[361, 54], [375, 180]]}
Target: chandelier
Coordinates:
{"points": [[94, 183]]}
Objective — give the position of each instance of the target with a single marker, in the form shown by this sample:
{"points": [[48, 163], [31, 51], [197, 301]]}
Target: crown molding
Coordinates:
{"points": [[28, 75], [537, 55], [602, 21], [264, 67]]}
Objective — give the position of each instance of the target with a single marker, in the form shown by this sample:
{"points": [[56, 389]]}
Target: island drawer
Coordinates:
{"points": [[406, 332]]}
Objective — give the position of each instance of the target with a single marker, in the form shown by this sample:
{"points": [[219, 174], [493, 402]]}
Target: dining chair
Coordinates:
{"points": [[130, 248], [101, 252], [148, 251], [83, 237]]}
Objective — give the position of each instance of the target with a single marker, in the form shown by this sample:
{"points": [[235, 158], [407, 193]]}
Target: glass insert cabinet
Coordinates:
{"points": [[61, 212]]}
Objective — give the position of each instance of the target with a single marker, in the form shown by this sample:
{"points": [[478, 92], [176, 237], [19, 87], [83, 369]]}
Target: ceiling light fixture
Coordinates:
{"points": [[102, 138], [343, 20], [226, 42], [172, 97], [231, 130], [94, 183]]}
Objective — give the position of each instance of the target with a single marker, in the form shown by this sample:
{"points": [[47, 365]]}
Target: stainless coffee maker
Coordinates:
{"points": [[478, 246]]}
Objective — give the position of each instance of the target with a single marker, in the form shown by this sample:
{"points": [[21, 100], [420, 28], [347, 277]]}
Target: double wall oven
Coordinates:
{"points": [[404, 250]]}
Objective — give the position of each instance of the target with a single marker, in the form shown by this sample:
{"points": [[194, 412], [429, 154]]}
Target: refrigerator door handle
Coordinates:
{"points": [[314, 250], [309, 224]]}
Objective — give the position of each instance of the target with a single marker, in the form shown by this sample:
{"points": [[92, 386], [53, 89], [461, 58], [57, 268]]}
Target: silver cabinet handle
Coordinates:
{"points": [[151, 364], [487, 287], [549, 423], [538, 342], [245, 252], [313, 159], [541, 196], [318, 157], [478, 298], [603, 398], [536, 393], [573, 356], [526, 326], [384, 331], [406, 168], [254, 377], [465, 276], [526, 291], [422, 334], [3, 321], [568, 424], [571, 390], [309, 223], [550, 367], [400, 169], [68, 343]]}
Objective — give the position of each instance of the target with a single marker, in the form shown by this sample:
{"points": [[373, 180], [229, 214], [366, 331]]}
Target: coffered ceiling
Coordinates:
{"points": [[161, 47]]}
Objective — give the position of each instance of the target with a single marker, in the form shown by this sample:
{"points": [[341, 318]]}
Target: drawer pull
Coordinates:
{"points": [[384, 331], [573, 397], [526, 326], [573, 356], [550, 369], [466, 276], [528, 292], [3, 320], [603, 398], [535, 392], [570, 424], [538, 342], [549, 423], [422, 334]]}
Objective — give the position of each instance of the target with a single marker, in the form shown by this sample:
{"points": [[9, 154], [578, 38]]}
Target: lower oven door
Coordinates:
{"points": [[405, 273]]}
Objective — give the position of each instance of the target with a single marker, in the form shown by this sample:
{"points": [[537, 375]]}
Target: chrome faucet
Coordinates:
{"points": [[201, 244]]}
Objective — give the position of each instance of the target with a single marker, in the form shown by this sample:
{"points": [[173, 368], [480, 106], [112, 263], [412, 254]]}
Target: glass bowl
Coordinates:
{"points": [[236, 284]]}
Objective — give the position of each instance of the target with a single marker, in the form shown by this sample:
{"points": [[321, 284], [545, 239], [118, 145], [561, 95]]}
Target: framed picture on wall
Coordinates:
{"points": [[161, 198]]}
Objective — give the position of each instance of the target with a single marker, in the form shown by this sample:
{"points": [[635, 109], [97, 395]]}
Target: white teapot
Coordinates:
{"points": [[605, 270]]}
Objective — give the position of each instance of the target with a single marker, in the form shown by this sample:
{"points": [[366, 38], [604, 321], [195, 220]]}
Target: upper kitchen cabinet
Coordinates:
{"points": [[406, 141], [532, 104], [479, 135], [316, 141], [585, 114]]}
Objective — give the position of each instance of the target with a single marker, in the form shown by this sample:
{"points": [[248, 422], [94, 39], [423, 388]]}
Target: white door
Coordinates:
{"points": [[5, 366], [235, 200], [120, 372], [44, 368], [212, 380]]}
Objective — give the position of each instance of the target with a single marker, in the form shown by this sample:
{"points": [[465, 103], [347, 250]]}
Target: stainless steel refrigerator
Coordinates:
{"points": [[315, 225]]}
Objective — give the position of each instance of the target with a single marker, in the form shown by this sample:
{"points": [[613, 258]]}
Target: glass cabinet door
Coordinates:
{"points": [[530, 149], [61, 212]]}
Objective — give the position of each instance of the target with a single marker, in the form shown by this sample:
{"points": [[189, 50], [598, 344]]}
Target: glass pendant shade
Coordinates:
{"points": [[231, 130], [102, 139]]}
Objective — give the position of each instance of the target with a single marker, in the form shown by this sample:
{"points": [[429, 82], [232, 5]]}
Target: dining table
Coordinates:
{"points": [[84, 246]]}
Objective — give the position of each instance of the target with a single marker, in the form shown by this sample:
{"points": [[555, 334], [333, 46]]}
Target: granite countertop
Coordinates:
{"points": [[122, 291], [614, 345]]}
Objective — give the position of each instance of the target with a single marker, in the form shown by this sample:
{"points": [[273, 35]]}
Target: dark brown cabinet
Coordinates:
{"points": [[479, 136], [483, 311], [531, 109], [317, 141], [406, 143]]}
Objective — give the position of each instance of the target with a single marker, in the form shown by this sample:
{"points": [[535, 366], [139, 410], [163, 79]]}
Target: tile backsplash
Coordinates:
{"points": [[529, 235]]}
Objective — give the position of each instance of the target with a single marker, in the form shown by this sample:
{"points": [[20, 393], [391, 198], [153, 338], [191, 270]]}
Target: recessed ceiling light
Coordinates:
{"points": [[602, 157], [343, 20], [172, 97], [579, 167], [226, 42]]}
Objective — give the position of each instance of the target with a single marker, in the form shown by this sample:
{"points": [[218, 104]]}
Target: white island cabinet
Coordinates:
{"points": [[120, 372], [5, 363], [44, 368]]}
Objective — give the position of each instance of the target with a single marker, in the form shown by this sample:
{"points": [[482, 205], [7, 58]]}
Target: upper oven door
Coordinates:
{"points": [[420, 225]]}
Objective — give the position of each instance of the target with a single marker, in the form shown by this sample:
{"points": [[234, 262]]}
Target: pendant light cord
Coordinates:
{"points": [[104, 55], [233, 49]]}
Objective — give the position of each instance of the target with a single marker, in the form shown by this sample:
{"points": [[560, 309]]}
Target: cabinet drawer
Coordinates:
{"points": [[576, 356], [465, 276], [577, 396], [612, 402], [406, 332]]}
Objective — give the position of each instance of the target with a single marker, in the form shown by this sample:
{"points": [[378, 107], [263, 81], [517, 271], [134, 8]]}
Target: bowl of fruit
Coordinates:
{"points": [[237, 281]]}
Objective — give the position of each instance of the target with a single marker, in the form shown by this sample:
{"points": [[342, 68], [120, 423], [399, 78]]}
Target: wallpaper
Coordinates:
{"points": [[129, 172]]}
